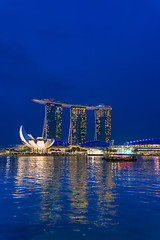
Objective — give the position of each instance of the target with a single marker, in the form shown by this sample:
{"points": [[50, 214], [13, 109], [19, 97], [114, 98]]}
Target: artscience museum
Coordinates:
{"points": [[37, 145]]}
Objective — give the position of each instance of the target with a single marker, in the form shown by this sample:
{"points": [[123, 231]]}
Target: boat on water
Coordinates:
{"points": [[120, 158]]}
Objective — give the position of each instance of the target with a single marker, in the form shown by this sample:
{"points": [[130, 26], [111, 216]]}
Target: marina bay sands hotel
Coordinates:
{"points": [[78, 121]]}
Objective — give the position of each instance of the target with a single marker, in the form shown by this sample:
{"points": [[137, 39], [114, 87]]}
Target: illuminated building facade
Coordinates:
{"points": [[78, 121], [53, 122], [102, 125], [77, 130], [37, 145], [146, 146]]}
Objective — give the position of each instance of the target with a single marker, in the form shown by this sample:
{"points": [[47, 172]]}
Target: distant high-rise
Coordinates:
{"points": [[53, 122], [78, 118], [77, 131], [103, 125]]}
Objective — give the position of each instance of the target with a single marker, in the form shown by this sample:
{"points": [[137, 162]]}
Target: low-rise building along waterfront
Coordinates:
{"points": [[146, 146]]}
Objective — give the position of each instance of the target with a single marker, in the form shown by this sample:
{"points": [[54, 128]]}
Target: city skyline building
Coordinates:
{"points": [[78, 121], [77, 130], [102, 125], [53, 122]]}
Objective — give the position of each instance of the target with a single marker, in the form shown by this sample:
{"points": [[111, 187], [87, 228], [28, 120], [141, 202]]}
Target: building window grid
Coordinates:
{"points": [[78, 121]]}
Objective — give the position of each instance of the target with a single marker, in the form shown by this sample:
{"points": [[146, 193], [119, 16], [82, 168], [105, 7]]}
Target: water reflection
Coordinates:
{"points": [[78, 190], [75, 191], [7, 166], [157, 164]]}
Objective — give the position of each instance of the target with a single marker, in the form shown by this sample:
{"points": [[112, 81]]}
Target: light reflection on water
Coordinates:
{"points": [[67, 197]]}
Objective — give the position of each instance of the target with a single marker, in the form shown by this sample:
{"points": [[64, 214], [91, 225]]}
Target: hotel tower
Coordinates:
{"points": [[102, 125], [77, 130], [78, 121], [52, 122]]}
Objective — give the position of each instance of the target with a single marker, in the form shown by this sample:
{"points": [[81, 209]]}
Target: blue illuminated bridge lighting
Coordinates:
{"points": [[58, 143], [145, 141], [85, 144]]}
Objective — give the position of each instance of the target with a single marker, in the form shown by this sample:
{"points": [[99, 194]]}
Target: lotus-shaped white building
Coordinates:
{"points": [[39, 144]]}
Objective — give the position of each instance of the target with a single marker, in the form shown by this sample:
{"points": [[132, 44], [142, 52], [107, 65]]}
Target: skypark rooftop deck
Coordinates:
{"points": [[67, 105]]}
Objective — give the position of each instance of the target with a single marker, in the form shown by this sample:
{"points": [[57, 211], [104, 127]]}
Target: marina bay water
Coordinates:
{"points": [[77, 197]]}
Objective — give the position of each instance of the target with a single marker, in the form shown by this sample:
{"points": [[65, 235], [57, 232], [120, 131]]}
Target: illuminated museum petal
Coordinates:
{"points": [[25, 137], [33, 143]]}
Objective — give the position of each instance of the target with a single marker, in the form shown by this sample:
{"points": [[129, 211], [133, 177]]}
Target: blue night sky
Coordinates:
{"points": [[82, 52]]}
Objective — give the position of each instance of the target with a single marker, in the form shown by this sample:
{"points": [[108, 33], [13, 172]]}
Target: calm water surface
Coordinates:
{"points": [[65, 198]]}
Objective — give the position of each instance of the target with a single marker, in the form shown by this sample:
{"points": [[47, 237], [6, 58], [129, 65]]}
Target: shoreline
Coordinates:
{"points": [[68, 154]]}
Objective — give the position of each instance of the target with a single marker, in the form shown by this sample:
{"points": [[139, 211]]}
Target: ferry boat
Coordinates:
{"points": [[120, 158]]}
